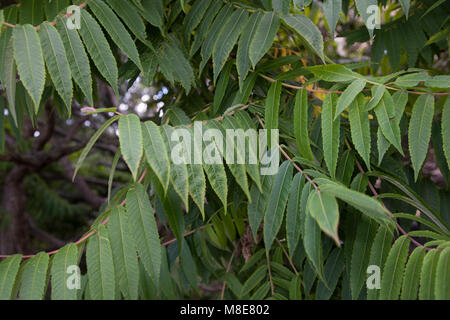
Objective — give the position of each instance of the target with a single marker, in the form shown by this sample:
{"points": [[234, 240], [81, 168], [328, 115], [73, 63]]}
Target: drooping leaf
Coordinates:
{"points": [[226, 39], [65, 258], [378, 255], [428, 275], [30, 61], [243, 62], [385, 112], [346, 99], [195, 16], [393, 269], [131, 145], [293, 226], [144, 229], [130, 16], [360, 129], [330, 133], [115, 29], [274, 214], [442, 286], [272, 110], [323, 207], [77, 58], [410, 286], [99, 50], [332, 272], [34, 278], [156, 152], [178, 172], [124, 257], [9, 269], [9, 80], [419, 132], [307, 31], [365, 233], [332, 10], [57, 63], [366, 14], [100, 267], [260, 199], [264, 34], [301, 124]]}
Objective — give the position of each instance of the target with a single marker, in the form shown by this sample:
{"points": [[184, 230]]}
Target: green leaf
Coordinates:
{"points": [[382, 145], [281, 6], [332, 11], [365, 233], [274, 214], [226, 39], [419, 132], [34, 278], [130, 16], [77, 58], [63, 259], [330, 133], [293, 220], [391, 281], [411, 80], [410, 286], [221, 87], [378, 255], [202, 30], [131, 145], [257, 207], [442, 286], [145, 231], [115, 29], [446, 129], [308, 32], [405, 5], [99, 50], [441, 82], [153, 12], [9, 80], [125, 258], [301, 123], [57, 63], [400, 101], [195, 16], [360, 129], [428, 275], [324, 208], [196, 177], [272, 110], [91, 143], [255, 279], [332, 272], [366, 15], [346, 99], [385, 111], [377, 93], [173, 63], [311, 235], [243, 62], [156, 152], [263, 36], [9, 269], [208, 46], [367, 205], [100, 266], [30, 61], [334, 73], [178, 172]]}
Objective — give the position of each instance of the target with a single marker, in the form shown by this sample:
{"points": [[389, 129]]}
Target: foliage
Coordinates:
{"points": [[349, 193]]}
